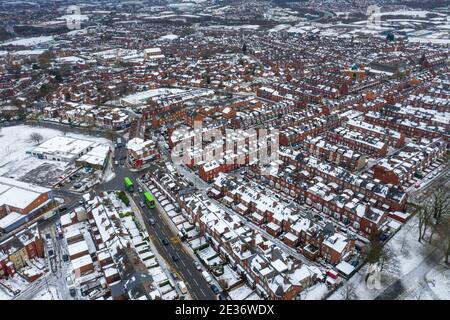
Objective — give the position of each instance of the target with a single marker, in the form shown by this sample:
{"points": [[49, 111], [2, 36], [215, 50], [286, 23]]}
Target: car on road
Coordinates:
{"points": [[174, 275], [417, 185], [116, 163], [215, 289], [165, 242], [50, 253], [65, 258], [62, 209], [182, 287], [152, 221], [140, 190], [174, 258], [142, 204], [197, 265], [206, 276]]}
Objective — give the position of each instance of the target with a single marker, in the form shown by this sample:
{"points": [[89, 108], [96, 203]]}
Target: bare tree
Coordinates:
{"points": [[439, 207], [382, 256], [442, 239], [36, 137], [424, 214]]}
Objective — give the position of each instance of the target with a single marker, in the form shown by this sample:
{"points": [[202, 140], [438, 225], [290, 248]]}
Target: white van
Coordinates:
{"points": [[182, 287], [207, 277]]}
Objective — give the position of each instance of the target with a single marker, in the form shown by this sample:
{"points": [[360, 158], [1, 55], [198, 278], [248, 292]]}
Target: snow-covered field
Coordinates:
{"points": [[28, 42], [408, 253], [140, 97], [15, 142], [169, 37]]}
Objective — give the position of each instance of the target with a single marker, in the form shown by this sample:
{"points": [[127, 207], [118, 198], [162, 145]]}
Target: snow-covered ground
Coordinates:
{"points": [[15, 284], [169, 37], [15, 142], [140, 97], [241, 292], [48, 293], [408, 253], [438, 280], [316, 292], [28, 42]]}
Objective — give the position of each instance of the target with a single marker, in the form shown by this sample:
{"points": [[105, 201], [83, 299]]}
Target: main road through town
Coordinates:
{"points": [[184, 266]]}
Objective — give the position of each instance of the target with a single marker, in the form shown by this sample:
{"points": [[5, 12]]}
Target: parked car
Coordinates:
{"points": [[197, 265], [215, 289], [223, 296], [206, 276], [73, 292], [62, 209], [182, 287]]}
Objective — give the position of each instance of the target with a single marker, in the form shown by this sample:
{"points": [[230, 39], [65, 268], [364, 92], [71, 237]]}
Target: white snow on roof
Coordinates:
{"points": [[19, 194]]}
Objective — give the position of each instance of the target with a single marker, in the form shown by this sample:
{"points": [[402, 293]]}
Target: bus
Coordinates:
{"points": [[128, 184], [149, 200]]}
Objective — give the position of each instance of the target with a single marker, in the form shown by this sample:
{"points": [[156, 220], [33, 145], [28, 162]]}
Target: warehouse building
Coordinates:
{"points": [[20, 202]]}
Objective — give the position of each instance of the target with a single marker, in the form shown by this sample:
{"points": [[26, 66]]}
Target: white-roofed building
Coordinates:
{"points": [[20, 202]]}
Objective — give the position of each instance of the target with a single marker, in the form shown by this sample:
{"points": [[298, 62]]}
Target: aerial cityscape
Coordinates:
{"points": [[235, 150]]}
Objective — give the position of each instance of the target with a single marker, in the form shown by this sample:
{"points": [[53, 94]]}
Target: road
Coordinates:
{"points": [[204, 187], [56, 277], [184, 266]]}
